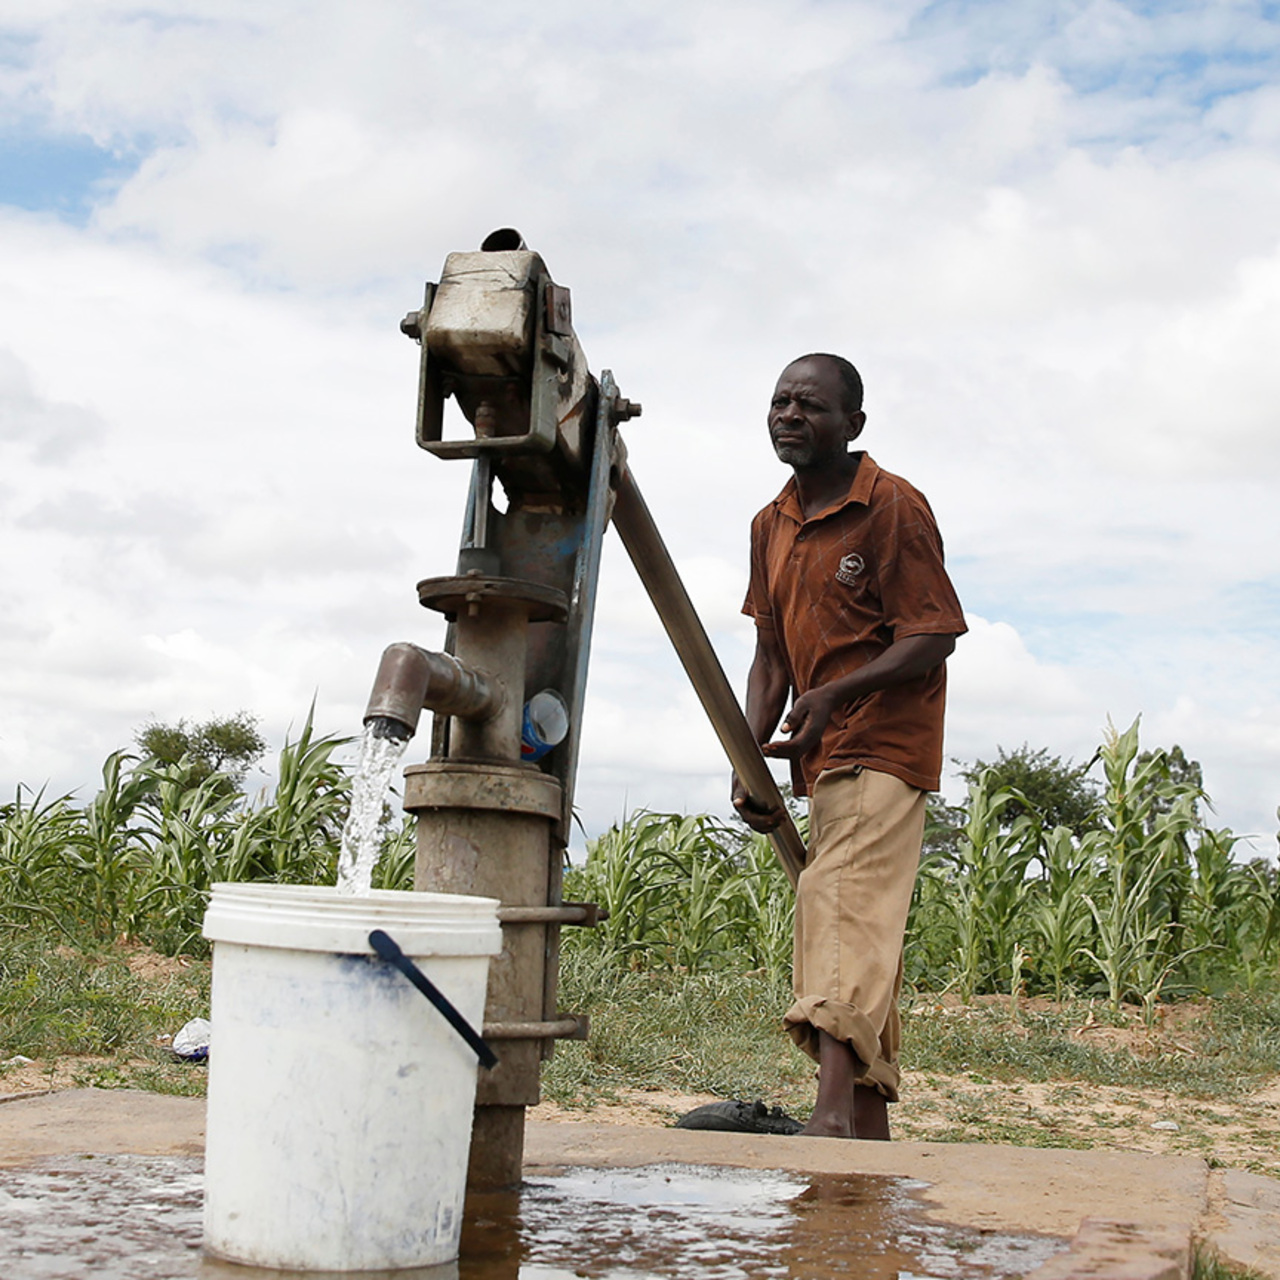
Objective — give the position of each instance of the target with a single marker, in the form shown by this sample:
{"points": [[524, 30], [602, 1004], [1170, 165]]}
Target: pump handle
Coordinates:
{"points": [[657, 571]]}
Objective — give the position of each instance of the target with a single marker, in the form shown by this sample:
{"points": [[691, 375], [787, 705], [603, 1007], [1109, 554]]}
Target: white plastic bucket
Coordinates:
{"points": [[340, 1100]]}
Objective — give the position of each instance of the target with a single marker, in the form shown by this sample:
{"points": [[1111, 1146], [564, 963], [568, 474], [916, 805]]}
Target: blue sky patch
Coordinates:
{"points": [[63, 175], [1252, 609], [1202, 60]]}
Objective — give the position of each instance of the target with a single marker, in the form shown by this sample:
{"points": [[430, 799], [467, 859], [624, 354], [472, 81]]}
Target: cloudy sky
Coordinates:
{"points": [[1047, 233]]}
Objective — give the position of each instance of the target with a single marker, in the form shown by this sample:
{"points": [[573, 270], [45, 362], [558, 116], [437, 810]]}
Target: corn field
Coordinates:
{"points": [[139, 859], [1147, 903]]}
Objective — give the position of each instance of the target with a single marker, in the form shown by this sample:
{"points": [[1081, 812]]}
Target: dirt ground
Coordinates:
{"points": [[1243, 1133], [936, 1108]]}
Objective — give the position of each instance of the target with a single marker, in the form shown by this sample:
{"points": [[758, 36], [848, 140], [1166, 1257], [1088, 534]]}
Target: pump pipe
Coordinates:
{"points": [[657, 571], [410, 679]]}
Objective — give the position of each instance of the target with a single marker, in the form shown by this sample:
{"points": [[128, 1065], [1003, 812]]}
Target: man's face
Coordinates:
{"points": [[809, 422]]}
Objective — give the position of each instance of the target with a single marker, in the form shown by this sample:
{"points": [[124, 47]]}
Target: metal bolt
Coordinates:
{"points": [[624, 410], [411, 326]]}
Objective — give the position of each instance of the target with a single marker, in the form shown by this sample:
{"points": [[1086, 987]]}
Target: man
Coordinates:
{"points": [[856, 616]]}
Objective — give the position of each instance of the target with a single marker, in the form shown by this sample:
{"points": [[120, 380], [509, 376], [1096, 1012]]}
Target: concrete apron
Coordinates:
{"points": [[1169, 1200]]}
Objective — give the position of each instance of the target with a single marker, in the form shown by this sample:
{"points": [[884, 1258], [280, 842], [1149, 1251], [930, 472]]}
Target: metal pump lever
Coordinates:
{"points": [[657, 571]]}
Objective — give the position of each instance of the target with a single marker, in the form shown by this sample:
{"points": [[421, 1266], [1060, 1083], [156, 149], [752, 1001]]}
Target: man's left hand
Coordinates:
{"points": [[805, 723]]}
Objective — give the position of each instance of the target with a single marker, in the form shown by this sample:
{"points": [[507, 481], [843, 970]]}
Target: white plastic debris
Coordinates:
{"points": [[192, 1042], [18, 1060], [1166, 1126]]}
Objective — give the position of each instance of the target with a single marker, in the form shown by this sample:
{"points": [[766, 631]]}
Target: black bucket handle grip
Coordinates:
{"points": [[389, 950]]}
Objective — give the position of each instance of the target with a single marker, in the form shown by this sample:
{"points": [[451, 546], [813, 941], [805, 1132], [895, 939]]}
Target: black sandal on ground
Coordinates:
{"points": [[739, 1117]]}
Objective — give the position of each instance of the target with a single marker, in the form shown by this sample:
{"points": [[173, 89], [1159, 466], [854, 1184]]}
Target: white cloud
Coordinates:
{"points": [[49, 431], [1001, 696], [1045, 233], [995, 677]]}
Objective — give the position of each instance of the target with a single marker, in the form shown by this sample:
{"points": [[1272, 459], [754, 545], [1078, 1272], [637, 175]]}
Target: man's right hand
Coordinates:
{"points": [[762, 820]]}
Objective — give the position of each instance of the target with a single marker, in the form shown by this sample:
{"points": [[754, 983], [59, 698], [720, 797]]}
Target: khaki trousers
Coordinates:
{"points": [[865, 832]]}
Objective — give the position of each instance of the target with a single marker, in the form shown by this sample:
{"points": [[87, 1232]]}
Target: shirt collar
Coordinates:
{"points": [[788, 501]]}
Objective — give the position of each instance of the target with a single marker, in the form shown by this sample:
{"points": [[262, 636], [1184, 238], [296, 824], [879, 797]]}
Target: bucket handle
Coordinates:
{"points": [[389, 950]]}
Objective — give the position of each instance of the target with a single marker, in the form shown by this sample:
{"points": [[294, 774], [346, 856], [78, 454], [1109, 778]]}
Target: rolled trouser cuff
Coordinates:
{"points": [[848, 1024]]}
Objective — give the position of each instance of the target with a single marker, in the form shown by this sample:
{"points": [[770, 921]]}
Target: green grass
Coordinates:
{"points": [[160, 1072], [977, 1074], [713, 1032], [720, 1033], [1206, 1265], [1235, 1047], [692, 1033], [57, 1002]]}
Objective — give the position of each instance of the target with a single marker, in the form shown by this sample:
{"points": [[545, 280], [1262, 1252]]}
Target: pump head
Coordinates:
{"points": [[496, 334]]}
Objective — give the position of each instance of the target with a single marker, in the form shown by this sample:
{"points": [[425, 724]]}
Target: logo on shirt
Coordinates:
{"points": [[850, 567]]}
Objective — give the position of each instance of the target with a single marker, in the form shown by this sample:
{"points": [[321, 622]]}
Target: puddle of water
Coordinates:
{"points": [[138, 1218], [682, 1221]]}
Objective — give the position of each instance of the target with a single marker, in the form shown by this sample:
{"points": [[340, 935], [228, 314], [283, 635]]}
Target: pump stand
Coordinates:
{"points": [[496, 335]]}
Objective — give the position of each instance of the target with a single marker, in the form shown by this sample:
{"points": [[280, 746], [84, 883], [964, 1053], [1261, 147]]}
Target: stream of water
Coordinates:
{"points": [[380, 753]]}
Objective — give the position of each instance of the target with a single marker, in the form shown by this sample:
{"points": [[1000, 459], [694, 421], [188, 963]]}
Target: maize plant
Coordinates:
{"points": [[988, 887], [1142, 902]]}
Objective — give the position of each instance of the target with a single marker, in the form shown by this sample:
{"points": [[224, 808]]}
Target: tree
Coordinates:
{"points": [[943, 823], [1180, 775], [229, 745], [1057, 792]]}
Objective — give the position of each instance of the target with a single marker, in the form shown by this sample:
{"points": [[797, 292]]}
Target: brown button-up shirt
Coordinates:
{"points": [[836, 591]]}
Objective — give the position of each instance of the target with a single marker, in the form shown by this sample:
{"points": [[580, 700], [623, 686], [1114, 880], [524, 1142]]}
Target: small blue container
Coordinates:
{"points": [[546, 724]]}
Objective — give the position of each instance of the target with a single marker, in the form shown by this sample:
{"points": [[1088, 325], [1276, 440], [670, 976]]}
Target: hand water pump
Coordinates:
{"points": [[496, 334]]}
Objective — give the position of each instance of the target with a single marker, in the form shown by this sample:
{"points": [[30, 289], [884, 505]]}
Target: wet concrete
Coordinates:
{"points": [[126, 1217], [692, 1222], [987, 1189], [119, 1217], [1036, 1189]]}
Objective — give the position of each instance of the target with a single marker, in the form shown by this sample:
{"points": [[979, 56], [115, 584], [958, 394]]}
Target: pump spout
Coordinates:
{"points": [[410, 679]]}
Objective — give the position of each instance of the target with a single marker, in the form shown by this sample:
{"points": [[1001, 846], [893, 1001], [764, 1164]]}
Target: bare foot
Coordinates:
{"points": [[828, 1125], [845, 1109], [835, 1112]]}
